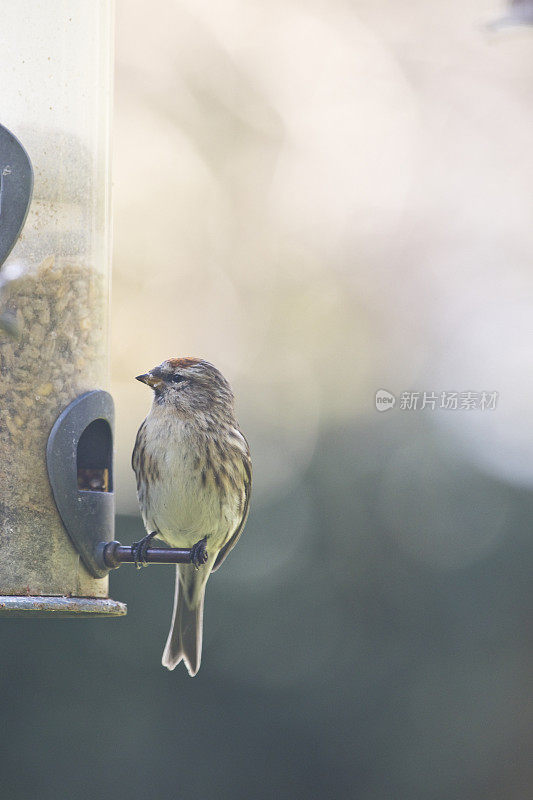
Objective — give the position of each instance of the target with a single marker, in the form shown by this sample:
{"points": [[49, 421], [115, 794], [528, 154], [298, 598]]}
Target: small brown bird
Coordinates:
{"points": [[194, 479]]}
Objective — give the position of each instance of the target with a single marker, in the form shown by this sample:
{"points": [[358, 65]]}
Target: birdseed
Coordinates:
{"points": [[60, 352]]}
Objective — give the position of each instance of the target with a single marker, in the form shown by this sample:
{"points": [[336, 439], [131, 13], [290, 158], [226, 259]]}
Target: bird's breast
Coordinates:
{"points": [[185, 497]]}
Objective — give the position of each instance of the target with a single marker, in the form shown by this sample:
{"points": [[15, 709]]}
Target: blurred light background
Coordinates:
{"points": [[324, 199]]}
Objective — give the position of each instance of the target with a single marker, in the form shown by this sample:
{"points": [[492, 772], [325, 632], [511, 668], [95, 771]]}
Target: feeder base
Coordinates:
{"points": [[29, 607]]}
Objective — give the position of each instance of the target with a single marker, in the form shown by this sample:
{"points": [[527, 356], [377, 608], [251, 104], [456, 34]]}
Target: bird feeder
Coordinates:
{"points": [[56, 416]]}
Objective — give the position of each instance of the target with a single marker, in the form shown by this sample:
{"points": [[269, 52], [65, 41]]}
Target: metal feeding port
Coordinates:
{"points": [[79, 456]]}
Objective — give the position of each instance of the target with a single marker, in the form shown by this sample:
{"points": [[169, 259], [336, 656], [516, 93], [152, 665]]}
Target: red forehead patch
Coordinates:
{"points": [[188, 361]]}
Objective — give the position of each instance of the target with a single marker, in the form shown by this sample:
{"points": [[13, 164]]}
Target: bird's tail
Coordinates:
{"points": [[184, 641]]}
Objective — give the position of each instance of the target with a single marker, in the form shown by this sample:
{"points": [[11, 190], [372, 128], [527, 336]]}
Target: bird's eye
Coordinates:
{"points": [[177, 378]]}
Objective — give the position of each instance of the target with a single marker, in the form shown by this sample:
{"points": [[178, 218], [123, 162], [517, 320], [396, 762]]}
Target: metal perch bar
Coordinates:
{"points": [[115, 554]]}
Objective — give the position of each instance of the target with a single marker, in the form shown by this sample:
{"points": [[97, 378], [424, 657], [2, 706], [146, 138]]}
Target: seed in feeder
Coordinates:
{"points": [[47, 264], [60, 355], [45, 389], [37, 333], [11, 426]]}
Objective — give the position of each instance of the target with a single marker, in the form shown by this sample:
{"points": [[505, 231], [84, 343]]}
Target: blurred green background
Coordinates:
{"points": [[324, 200]]}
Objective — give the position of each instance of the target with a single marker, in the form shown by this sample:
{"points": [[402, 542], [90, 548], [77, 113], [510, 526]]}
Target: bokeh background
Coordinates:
{"points": [[325, 200]]}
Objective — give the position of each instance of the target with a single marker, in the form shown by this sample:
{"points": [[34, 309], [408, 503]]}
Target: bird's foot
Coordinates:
{"points": [[139, 550], [199, 553]]}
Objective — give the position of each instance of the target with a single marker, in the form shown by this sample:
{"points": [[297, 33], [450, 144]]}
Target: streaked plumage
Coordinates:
{"points": [[194, 479]]}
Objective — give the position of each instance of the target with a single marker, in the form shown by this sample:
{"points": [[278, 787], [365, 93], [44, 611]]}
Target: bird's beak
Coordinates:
{"points": [[150, 379]]}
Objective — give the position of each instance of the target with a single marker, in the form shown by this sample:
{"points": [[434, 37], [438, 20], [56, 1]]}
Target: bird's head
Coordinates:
{"points": [[191, 385]]}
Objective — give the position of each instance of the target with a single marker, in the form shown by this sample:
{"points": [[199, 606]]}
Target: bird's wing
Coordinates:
{"points": [[230, 544], [138, 454]]}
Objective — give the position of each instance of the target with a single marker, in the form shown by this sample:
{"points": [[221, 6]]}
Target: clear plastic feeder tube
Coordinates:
{"points": [[55, 97]]}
